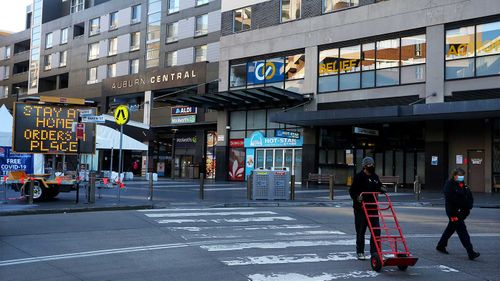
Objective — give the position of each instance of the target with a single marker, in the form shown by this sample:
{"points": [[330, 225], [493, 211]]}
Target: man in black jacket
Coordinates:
{"points": [[365, 181], [458, 204]]}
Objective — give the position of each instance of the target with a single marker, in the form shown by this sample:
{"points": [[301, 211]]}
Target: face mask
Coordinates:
{"points": [[370, 169], [460, 178]]}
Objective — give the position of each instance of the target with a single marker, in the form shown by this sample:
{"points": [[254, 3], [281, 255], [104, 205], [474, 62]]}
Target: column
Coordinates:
{"points": [[434, 67], [221, 151], [309, 153], [311, 77], [436, 146]]}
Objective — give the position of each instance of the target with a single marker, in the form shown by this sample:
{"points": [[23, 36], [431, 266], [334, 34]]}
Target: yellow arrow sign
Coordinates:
{"points": [[121, 115]]}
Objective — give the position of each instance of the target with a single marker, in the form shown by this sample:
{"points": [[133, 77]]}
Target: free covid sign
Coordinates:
{"points": [[14, 162]]}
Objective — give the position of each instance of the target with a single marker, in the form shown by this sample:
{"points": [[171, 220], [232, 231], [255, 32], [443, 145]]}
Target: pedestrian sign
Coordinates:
{"points": [[121, 115]]}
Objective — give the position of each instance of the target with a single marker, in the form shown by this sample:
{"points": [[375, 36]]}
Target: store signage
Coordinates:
{"points": [[257, 139], [338, 65], [93, 119], [265, 71], [457, 49], [183, 119], [42, 128], [364, 131], [183, 110], [286, 134], [237, 143], [13, 162], [85, 112]]}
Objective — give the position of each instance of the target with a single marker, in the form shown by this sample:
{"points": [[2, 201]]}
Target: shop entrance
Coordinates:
{"points": [[475, 170], [290, 158]]}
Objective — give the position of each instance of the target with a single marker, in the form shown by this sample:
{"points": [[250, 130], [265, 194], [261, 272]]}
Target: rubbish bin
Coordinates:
{"points": [[261, 180], [270, 185]]}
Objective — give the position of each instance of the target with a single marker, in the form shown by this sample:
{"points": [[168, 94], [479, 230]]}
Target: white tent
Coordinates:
{"points": [[108, 138]]}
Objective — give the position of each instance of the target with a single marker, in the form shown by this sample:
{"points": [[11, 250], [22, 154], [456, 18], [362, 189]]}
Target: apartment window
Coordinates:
{"points": [[112, 46], [133, 66], [7, 52], [63, 58], [135, 41], [92, 75], [173, 6], [290, 10], [113, 20], [47, 62], [172, 31], [201, 25], [76, 6], [152, 54], [4, 91], [136, 14], [95, 26], [6, 72], [48, 40], [172, 58], [201, 2], [93, 51], [200, 53], [111, 70], [335, 5], [64, 35], [242, 19]]}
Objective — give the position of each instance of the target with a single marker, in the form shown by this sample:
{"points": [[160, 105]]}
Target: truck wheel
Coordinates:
{"points": [[39, 192], [376, 263]]}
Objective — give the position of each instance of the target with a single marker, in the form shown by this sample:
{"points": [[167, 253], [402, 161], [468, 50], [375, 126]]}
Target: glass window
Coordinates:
{"points": [[290, 10], [387, 77], [172, 58], [135, 41], [334, 5], [94, 26], [201, 25], [173, 6], [64, 35], [47, 62], [328, 84], [7, 52], [295, 66], [200, 53], [387, 53], [242, 19], [350, 81], [133, 66], [413, 49], [92, 75], [413, 74], [63, 58], [111, 70], [93, 51], [112, 46], [238, 120], [76, 6], [328, 60], [294, 85], [489, 65], [113, 20], [136, 13], [273, 71], [153, 31], [6, 72], [255, 72], [172, 31], [349, 59], [460, 43], [48, 40], [152, 52], [238, 75], [154, 7], [368, 57], [488, 39], [256, 119], [459, 69], [201, 2], [368, 79]]}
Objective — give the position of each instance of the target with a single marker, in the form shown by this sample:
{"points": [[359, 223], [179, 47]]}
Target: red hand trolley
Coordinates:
{"points": [[390, 244]]}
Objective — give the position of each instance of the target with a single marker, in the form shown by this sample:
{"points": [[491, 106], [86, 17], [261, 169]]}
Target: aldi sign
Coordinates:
{"points": [[184, 110]]}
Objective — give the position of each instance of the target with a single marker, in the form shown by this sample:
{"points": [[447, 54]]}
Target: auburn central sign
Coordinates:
{"points": [[156, 79]]}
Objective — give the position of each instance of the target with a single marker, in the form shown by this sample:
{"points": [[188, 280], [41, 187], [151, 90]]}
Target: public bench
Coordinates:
{"points": [[318, 178], [390, 180]]}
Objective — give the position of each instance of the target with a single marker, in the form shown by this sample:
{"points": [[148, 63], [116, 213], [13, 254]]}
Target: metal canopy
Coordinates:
{"points": [[241, 99]]}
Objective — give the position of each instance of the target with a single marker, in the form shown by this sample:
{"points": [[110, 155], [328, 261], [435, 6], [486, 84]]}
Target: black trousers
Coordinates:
{"points": [[361, 224], [461, 229]]}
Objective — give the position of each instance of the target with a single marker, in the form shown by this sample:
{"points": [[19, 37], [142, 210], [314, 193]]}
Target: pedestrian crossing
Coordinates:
{"points": [[271, 245]]}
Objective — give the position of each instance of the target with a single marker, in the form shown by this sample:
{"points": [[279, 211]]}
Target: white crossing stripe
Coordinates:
{"points": [[277, 245], [205, 214], [243, 228], [236, 220], [322, 277], [188, 210], [311, 232], [284, 259]]}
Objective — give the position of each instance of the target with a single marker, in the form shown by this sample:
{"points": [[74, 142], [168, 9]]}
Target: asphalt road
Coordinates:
{"points": [[191, 243]]}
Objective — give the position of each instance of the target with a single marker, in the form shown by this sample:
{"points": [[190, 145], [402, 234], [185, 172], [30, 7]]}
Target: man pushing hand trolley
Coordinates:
{"points": [[390, 244]]}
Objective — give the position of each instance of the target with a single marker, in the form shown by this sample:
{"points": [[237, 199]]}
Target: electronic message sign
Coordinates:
{"points": [[44, 128]]}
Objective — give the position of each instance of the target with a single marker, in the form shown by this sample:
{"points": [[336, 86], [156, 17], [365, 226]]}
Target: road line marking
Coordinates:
{"points": [[243, 228], [224, 188], [284, 259], [198, 214], [200, 209], [301, 277], [277, 245], [237, 220], [311, 232], [439, 235]]}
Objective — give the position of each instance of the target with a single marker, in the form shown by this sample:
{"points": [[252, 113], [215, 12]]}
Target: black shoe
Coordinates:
{"points": [[473, 255], [442, 250], [361, 256]]}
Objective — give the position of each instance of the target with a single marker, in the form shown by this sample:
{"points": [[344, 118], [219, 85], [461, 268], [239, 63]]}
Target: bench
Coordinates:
{"points": [[319, 178], [496, 183], [390, 180]]}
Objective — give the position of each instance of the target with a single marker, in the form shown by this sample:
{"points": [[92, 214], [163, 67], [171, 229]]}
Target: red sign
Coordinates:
{"points": [[237, 143], [80, 131]]}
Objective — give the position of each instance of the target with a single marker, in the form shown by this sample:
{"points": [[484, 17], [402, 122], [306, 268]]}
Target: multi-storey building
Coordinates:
{"points": [[415, 84], [124, 52]]}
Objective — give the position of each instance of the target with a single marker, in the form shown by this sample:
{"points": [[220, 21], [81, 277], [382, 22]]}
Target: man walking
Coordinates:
{"points": [[458, 204], [365, 181]]}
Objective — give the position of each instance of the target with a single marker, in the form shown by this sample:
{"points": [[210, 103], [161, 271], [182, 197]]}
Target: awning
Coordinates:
{"points": [[404, 113], [108, 138], [244, 98], [5, 127]]}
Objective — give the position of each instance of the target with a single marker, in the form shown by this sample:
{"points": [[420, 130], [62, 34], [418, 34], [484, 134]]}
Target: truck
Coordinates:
{"points": [[45, 186]]}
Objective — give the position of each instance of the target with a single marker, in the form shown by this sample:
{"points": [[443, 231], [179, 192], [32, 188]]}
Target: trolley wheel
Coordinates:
{"points": [[376, 263], [402, 267]]}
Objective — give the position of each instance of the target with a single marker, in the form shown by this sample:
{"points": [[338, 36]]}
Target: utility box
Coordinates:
{"points": [[270, 185]]}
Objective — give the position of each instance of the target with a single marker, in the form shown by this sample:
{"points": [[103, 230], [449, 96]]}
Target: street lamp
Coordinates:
{"points": [[173, 152]]}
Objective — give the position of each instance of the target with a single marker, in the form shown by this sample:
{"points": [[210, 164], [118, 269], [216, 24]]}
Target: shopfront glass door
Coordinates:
{"points": [[290, 158]]}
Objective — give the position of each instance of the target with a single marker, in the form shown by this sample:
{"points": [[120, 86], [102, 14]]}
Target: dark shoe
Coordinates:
{"points": [[361, 256], [442, 250], [473, 255]]}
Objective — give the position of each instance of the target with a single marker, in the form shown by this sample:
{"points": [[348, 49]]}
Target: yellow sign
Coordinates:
{"points": [[338, 66], [121, 115]]}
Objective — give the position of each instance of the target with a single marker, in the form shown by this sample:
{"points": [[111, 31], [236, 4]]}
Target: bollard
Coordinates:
{"points": [[202, 186], [249, 186], [91, 189], [150, 186], [292, 187], [30, 198], [330, 185], [5, 189], [417, 187]]}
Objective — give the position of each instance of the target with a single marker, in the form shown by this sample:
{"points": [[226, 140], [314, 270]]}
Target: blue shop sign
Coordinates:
{"points": [[12, 162], [257, 139], [260, 72], [286, 134]]}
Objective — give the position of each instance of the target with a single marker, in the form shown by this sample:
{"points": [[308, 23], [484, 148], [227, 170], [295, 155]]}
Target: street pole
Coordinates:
{"points": [[150, 186], [32, 183], [120, 166], [77, 161], [173, 155], [202, 186], [111, 163]]}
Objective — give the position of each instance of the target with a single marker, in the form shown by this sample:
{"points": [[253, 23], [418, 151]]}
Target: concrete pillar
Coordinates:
{"points": [[311, 77], [436, 145], [224, 75], [148, 104], [309, 152], [434, 64], [221, 151]]}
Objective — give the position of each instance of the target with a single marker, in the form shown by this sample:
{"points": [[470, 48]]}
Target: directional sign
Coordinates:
{"points": [[121, 115], [93, 119], [85, 112]]}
